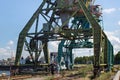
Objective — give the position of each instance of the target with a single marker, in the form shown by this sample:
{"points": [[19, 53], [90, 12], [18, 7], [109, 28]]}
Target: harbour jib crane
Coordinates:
{"points": [[73, 22]]}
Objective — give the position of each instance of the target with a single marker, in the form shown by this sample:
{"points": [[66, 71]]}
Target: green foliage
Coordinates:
{"points": [[83, 60], [84, 70], [105, 76], [117, 58], [49, 78]]}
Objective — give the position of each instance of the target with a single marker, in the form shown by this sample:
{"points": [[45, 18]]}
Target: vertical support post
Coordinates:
{"points": [[110, 55], [60, 50], [96, 34], [71, 58], [46, 52], [97, 50], [105, 51]]}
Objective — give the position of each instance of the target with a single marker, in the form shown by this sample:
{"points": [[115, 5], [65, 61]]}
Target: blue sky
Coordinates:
{"points": [[14, 14]]}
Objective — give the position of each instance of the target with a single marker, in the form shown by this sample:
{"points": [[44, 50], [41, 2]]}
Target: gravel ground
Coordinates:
{"points": [[34, 79]]}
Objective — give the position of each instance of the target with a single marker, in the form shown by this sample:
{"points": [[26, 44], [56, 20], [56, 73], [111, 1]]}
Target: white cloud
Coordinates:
{"points": [[53, 46], [8, 47], [83, 52], [10, 42], [3, 50], [115, 40], [119, 23], [110, 10], [4, 53]]}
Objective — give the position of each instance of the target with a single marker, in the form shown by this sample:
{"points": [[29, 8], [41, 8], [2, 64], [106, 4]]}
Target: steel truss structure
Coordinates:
{"points": [[74, 24]]}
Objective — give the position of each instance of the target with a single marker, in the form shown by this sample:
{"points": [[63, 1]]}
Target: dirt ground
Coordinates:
{"points": [[80, 72]]}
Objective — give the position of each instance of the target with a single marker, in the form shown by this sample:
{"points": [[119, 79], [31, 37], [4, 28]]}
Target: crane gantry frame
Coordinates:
{"points": [[49, 10]]}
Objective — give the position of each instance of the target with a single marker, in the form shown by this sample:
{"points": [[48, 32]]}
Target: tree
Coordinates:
{"points": [[83, 60], [76, 60], [117, 58]]}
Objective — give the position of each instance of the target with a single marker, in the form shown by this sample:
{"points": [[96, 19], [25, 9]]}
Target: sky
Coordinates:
{"points": [[14, 14]]}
